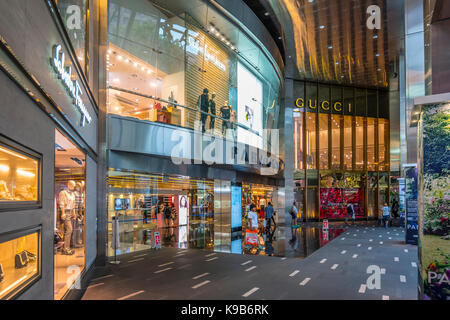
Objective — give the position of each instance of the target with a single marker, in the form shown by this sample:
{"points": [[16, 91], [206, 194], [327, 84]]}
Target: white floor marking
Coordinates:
{"points": [[103, 277], [370, 240], [250, 269], [334, 266], [283, 258], [369, 248], [362, 288], [140, 259], [385, 298], [390, 238], [141, 255], [131, 295], [323, 260], [414, 264], [379, 236], [402, 278], [355, 256], [359, 245], [245, 295], [165, 264], [246, 262], [211, 254], [406, 250], [396, 259], [343, 239], [354, 235], [215, 258], [381, 242], [200, 276], [201, 284], [294, 273], [383, 271], [304, 282], [343, 251], [95, 285], [166, 269]]}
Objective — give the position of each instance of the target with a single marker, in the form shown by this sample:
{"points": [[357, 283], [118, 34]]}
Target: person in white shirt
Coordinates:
{"points": [[253, 218]]}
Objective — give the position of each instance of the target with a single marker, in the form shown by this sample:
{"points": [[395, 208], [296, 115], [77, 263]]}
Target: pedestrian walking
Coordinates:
{"points": [[386, 215], [293, 213], [350, 213]]}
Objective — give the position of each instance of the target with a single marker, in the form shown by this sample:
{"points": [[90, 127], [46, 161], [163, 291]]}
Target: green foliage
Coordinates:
{"points": [[436, 142]]}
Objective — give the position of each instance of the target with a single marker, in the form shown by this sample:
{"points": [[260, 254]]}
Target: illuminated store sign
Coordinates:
{"points": [[72, 86], [324, 106]]}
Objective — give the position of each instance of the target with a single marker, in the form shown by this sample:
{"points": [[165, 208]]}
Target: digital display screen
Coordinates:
{"points": [[236, 207], [121, 204], [250, 109]]}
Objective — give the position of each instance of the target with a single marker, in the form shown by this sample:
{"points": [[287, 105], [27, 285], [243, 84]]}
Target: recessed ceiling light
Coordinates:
{"points": [[322, 27], [119, 57], [330, 47], [135, 64]]}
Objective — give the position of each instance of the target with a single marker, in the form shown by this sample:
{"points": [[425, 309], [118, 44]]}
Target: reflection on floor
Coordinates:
{"points": [[338, 270], [279, 241], [15, 277], [65, 267]]}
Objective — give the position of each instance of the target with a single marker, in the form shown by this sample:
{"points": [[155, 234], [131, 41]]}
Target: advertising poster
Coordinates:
{"points": [[411, 184], [333, 202], [250, 110], [183, 210], [435, 195], [236, 207]]}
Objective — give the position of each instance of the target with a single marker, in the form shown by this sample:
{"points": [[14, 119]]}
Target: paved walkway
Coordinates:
{"points": [[336, 271]]}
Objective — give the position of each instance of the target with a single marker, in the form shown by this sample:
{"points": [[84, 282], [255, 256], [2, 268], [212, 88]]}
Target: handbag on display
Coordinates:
{"points": [[21, 260]]}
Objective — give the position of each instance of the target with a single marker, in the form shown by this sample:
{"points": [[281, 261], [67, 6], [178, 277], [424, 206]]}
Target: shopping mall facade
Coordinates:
{"points": [[173, 117]]}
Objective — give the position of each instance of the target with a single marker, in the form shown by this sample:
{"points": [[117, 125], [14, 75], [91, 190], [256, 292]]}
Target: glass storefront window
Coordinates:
{"points": [[171, 68], [359, 148], [348, 143], [323, 141], [336, 123], [298, 140], [19, 176], [70, 214], [20, 261], [74, 14], [311, 144], [371, 144], [383, 140]]}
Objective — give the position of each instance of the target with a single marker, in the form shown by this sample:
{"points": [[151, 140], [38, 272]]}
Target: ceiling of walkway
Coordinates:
{"points": [[333, 42]]}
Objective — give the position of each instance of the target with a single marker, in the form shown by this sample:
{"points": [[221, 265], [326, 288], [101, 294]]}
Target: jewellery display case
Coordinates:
{"points": [[20, 259]]}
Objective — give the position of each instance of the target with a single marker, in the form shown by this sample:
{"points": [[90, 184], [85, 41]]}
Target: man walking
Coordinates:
{"points": [[386, 215], [269, 216]]}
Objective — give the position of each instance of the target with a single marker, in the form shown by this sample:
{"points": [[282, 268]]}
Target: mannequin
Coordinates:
{"points": [[226, 114], [203, 105], [212, 110], [78, 221], [66, 203]]}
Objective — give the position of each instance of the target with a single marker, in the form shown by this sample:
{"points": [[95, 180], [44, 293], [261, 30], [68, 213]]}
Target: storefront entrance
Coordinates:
{"points": [[70, 214]]}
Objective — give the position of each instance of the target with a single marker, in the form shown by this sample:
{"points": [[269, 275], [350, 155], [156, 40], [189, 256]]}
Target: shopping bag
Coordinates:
{"points": [[251, 237]]}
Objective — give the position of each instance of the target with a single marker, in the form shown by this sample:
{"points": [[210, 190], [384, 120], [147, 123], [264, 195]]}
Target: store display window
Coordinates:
{"points": [[70, 214], [20, 261], [19, 176]]}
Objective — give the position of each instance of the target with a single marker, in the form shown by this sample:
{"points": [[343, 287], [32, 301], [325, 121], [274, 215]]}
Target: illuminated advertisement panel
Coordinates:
{"points": [[250, 95]]}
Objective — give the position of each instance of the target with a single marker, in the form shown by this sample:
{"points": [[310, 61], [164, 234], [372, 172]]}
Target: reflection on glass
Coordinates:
{"points": [[298, 140], [371, 144], [323, 141], [311, 140], [348, 151], [311, 203], [18, 176], [359, 124], [19, 263], [336, 122]]}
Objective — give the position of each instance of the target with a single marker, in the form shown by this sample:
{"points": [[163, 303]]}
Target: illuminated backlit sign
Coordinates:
{"points": [[324, 106], [72, 86]]}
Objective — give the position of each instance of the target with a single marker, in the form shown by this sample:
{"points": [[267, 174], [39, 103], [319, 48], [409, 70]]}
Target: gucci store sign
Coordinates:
{"points": [[72, 86]]}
